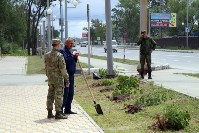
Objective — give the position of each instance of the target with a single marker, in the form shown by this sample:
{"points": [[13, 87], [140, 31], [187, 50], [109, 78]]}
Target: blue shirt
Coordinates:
{"points": [[70, 60]]}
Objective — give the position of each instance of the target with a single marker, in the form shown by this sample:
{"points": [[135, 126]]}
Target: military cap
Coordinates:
{"points": [[143, 31], [55, 42]]}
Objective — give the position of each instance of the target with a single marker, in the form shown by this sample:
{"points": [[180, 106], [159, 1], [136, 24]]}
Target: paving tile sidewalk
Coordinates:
{"points": [[167, 78], [23, 110], [23, 104]]}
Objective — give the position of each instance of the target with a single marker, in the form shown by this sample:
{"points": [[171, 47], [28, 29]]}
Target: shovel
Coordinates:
{"points": [[97, 106]]}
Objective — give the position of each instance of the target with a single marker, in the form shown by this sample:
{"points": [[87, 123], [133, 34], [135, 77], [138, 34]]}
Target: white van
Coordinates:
{"points": [[114, 46]]}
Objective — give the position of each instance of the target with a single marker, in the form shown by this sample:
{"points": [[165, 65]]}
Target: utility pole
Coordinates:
{"points": [[187, 31], [143, 14], [44, 36], [49, 27], [40, 42], [61, 22], [89, 41], [110, 72], [149, 25], [66, 20]]}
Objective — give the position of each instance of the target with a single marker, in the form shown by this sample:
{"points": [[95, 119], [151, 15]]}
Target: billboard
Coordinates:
{"points": [[161, 16], [163, 19], [173, 20]]}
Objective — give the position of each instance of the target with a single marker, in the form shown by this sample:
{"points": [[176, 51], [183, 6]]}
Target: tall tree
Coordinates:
{"points": [[97, 29], [126, 19], [12, 28], [35, 10]]}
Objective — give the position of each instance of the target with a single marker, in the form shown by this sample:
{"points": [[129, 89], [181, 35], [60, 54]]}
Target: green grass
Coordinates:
{"points": [[192, 74], [127, 61], [116, 120], [36, 65]]}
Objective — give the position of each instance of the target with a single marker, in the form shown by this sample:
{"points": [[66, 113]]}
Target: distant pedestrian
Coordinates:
{"points": [[147, 45], [55, 71], [71, 60]]}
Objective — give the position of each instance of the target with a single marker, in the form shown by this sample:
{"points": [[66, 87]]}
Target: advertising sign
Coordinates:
{"points": [[84, 35], [160, 16], [173, 20]]}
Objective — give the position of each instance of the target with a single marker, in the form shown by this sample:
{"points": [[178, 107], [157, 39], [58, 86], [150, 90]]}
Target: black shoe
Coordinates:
{"points": [[59, 115], [149, 75], [50, 114], [70, 112], [142, 75]]}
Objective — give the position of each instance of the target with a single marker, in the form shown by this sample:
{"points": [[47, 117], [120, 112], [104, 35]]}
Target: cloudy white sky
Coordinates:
{"points": [[77, 17]]}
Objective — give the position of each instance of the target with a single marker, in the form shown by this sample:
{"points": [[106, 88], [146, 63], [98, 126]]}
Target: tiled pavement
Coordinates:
{"points": [[23, 104], [23, 110]]}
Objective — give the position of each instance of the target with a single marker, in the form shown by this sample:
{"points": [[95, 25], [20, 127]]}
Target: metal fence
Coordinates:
{"points": [[179, 42]]}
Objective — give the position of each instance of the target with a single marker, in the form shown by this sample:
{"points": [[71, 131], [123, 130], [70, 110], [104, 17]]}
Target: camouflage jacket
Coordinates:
{"points": [[146, 45], [55, 67]]}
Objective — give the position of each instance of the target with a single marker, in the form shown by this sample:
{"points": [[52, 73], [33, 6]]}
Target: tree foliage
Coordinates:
{"points": [[126, 19], [12, 24], [97, 29]]}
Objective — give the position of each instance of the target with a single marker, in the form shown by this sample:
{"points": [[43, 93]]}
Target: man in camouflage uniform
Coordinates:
{"points": [[55, 71], [147, 45]]}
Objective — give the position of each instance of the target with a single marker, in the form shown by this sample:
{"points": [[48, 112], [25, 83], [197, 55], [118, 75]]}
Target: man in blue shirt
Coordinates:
{"points": [[71, 60]]}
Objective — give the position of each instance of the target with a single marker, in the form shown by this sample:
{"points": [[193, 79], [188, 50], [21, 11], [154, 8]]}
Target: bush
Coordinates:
{"points": [[6, 48], [175, 118], [107, 82], [126, 85], [102, 73], [11, 48], [152, 99]]}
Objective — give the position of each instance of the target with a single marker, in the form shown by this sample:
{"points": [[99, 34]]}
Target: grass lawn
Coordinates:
{"points": [[36, 65], [127, 61], [192, 74], [116, 120]]}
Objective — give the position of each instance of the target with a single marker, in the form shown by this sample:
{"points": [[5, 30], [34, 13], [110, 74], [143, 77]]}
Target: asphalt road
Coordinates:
{"points": [[186, 61]]}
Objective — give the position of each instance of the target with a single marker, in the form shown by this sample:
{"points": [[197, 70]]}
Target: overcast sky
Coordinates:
{"points": [[77, 17]]}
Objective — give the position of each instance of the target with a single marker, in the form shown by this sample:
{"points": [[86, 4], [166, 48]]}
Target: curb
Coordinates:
{"points": [[160, 67], [90, 119], [167, 50]]}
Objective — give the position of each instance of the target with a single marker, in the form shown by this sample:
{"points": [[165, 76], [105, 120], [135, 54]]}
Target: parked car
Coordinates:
{"points": [[114, 46], [74, 44], [84, 44]]}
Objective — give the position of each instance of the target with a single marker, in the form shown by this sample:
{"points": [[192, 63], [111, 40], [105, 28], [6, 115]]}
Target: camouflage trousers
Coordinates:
{"points": [[55, 93], [145, 58]]}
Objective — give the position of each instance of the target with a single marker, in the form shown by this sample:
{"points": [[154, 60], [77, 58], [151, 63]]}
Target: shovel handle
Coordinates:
{"points": [[86, 81]]}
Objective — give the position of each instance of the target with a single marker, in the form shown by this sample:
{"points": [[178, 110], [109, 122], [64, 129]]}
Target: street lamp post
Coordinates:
{"points": [[74, 2], [110, 72], [61, 22], [53, 19], [89, 37], [44, 34], [40, 24], [49, 12], [187, 31]]}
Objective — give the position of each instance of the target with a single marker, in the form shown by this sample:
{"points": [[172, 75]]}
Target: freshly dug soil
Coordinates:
{"points": [[119, 98], [160, 124], [107, 89], [96, 83], [131, 109]]}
